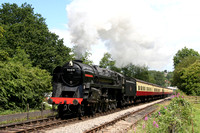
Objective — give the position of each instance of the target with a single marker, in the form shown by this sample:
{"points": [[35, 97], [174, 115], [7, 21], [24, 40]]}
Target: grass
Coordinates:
{"points": [[9, 112], [194, 127], [138, 128], [196, 117], [24, 119]]}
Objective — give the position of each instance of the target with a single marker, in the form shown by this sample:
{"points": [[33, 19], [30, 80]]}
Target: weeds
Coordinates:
{"points": [[173, 118]]}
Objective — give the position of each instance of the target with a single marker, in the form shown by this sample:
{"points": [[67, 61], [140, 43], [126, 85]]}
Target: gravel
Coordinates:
{"points": [[88, 124]]}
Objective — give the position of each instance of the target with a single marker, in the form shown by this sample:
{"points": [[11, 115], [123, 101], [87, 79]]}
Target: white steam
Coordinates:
{"points": [[130, 29]]}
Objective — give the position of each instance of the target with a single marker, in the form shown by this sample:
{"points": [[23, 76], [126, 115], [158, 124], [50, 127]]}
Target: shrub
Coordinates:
{"points": [[176, 117], [20, 83]]}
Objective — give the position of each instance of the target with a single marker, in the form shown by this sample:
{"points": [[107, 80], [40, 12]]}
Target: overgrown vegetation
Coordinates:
{"points": [[179, 116]]}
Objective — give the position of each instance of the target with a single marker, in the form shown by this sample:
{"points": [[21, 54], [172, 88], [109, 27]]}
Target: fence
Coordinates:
{"points": [[27, 115], [194, 99]]}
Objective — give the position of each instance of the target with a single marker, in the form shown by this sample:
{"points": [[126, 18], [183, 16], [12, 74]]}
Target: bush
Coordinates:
{"points": [[176, 117], [20, 83]]}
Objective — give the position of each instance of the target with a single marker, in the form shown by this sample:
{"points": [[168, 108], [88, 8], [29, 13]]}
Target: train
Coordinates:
{"points": [[82, 89]]}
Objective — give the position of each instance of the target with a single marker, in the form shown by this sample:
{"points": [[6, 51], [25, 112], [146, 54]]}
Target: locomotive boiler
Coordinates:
{"points": [[84, 89]]}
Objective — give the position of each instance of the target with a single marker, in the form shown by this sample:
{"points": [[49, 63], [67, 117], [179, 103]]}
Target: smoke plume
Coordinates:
{"points": [[130, 30]]}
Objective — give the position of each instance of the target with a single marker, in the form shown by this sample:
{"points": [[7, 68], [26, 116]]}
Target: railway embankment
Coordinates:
{"points": [[181, 115]]}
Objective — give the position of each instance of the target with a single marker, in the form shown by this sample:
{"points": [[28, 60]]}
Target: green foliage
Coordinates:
{"points": [[86, 59], [108, 62], [191, 79], [196, 117], [130, 70], [176, 117], [20, 83], [3, 55], [139, 72], [181, 54], [186, 75], [157, 77], [169, 77], [28, 30], [1, 31]]}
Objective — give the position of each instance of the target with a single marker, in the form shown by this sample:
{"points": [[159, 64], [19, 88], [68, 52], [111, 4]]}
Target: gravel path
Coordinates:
{"points": [[88, 124]]}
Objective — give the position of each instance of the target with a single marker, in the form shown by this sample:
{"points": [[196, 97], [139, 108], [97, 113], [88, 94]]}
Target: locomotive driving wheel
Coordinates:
{"points": [[94, 109], [81, 111], [105, 107], [100, 108]]}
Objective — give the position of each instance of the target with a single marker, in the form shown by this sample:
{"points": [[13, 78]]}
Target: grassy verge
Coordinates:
{"points": [[24, 119], [46, 106], [177, 116], [196, 114]]}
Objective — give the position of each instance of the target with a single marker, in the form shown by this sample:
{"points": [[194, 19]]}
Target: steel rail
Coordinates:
{"points": [[98, 128], [40, 124]]}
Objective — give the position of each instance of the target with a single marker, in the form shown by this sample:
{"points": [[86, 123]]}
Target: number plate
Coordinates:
{"points": [[71, 70]]}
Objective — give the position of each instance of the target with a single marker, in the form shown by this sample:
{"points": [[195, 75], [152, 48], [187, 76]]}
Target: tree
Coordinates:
{"points": [[139, 72], [169, 78], [158, 77], [28, 30], [182, 74], [191, 79], [86, 59], [108, 62], [1, 31], [181, 54], [20, 83]]}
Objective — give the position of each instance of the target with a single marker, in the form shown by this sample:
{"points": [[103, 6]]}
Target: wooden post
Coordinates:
{"points": [[27, 111], [53, 108], [42, 110]]}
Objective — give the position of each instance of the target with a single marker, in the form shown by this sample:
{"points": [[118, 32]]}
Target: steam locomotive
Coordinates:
{"points": [[84, 89]]}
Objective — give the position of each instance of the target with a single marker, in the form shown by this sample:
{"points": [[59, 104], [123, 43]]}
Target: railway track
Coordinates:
{"points": [[52, 122], [145, 112], [29, 126], [42, 124]]}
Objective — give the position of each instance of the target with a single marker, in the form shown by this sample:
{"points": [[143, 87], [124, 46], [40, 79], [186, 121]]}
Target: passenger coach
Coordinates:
{"points": [[149, 90]]}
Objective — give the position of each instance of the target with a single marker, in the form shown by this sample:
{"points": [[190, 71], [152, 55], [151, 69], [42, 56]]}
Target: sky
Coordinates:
{"points": [[141, 32]]}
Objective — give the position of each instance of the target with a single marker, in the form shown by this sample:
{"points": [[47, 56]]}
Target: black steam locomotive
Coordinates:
{"points": [[79, 89]]}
